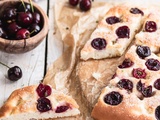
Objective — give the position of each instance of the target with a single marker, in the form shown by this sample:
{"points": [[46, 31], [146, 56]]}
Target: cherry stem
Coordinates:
{"points": [[4, 65], [32, 32], [31, 6], [23, 4]]}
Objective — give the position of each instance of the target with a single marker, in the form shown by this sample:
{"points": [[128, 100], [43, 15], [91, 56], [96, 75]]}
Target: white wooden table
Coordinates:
{"points": [[34, 64]]}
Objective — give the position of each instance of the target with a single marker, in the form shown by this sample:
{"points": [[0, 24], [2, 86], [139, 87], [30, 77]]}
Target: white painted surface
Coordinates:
{"points": [[31, 63]]}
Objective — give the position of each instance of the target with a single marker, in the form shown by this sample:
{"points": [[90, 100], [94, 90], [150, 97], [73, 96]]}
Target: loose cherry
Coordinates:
{"points": [[14, 73], [85, 5], [73, 2]]}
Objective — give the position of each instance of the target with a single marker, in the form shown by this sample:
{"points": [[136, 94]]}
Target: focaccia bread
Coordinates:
{"points": [[150, 32], [133, 93], [38, 102], [114, 32]]}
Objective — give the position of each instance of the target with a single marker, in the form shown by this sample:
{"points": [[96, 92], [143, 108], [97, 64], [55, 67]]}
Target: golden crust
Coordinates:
{"points": [[129, 109], [15, 103], [24, 100], [115, 46], [134, 105]]}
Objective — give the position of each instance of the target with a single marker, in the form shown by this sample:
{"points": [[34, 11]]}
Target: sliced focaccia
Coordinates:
{"points": [[38, 102], [134, 91], [150, 33], [113, 33]]}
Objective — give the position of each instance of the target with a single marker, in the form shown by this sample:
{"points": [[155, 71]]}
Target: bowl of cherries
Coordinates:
{"points": [[23, 25]]}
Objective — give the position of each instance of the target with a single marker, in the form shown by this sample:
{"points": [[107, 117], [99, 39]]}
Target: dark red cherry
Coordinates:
{"points": [[9, 14], [136, 11], [157, 84], [143, 51], [24, 8], [36, 17], [34, 29], [113, 20], [14, 73], [13, 28], [1, 23], [153, 64], [150, 26], [113, 98], [98, 43], [44, 104], [25, 19], [123, 32], [73, 2], [126, 64], [139, 73], [85, 5], [147, 91], [157, 113], [126, 84], [114, 76], [61, 109], [43, 90], [22, 34], [139, 86], [3, 34]]}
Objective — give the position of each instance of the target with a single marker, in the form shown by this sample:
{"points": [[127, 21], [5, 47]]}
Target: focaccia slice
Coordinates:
{"points": [[38, 102], [113, 33], [134, 92], [150, 33]]}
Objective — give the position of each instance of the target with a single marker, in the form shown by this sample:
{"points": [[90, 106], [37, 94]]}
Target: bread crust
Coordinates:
{"points": [[24, 101]]}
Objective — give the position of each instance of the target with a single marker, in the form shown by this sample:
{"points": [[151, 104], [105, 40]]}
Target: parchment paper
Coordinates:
{"points": [[74, 28]]}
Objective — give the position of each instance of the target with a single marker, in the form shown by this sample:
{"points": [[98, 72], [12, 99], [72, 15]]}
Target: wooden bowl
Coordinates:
{"points": [[24, 45]]}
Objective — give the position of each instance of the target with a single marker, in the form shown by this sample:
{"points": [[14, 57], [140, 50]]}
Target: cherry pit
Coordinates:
{"points": [[20, 21]]}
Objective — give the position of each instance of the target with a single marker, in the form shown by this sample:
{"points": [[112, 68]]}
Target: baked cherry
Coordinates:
{"points": [[14, 73], [139, 86], [147, 91], [123, 32], [153, 64], [61, 109], [25, 19], [73, 2], [113, 20], [126, 63], [44, 104], [157, 84], [98, 43], [85, 5], [22, 34], [113, 98], [136, 11], [157, 113], [139, 73], [126, 84], [43, 90], [143, 51], [150, 26]]}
